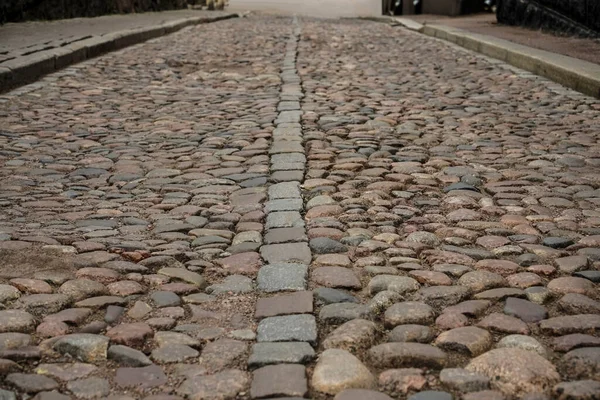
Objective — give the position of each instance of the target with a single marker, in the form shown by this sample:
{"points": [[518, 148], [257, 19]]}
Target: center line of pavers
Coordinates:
{"points": [[287, 329]]}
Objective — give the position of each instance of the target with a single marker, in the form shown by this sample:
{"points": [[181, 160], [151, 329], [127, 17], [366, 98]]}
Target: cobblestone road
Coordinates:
{"points": [[277, 208]]}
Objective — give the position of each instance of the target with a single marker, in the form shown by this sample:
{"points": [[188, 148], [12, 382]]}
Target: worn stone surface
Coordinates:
{"points": [[31, 383], [282, 276], [280, 352], [222, 385], [223, 353], [337, 370], [338, 313], [83, 346], [583, 363], [66, 372], [126, 356], [283, 380], [296, 303], [89, 388], [16, 321], [463, 380], [141, 377], [354, 335], [361, 394], [301, 328], [580, 390], [409, 312], [411, 333], [199, 184], [397, 355], [470, 339], [523, 342], [516, 371], [401, 381]]}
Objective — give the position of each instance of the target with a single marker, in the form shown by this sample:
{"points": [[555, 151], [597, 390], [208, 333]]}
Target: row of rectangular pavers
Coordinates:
{"points": [[287, 328]]}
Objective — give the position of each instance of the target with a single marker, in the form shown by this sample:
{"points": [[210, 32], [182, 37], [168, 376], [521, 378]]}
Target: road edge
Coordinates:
{"points": [[27, 69], [579, 75]]}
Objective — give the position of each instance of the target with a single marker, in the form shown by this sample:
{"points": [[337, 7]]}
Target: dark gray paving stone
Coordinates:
{"points": [[284, 219], [128, 357], [282, 276], [289, 328], [324, 245], [431, 395], [285, 235], [286, 253], [287, 204], [338, 313], [285, 190], [295, 303], [280, 380], [165, 299], [268, 353], [525, 310], [330, 295]]}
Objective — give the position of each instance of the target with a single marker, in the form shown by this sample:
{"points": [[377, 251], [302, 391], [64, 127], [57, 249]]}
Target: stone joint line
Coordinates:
{"points": [[287, 328]]}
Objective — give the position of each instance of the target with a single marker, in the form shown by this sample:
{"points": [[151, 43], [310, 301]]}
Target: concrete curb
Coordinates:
{"points": [[27, 69], [582, 76], [410, 24]]}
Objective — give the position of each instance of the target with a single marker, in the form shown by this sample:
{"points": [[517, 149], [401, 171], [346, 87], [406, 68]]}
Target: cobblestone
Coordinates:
{"points": [[433, 214]]}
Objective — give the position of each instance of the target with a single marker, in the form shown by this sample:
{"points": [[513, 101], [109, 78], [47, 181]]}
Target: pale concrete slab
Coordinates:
{"points": [[314, 8]]}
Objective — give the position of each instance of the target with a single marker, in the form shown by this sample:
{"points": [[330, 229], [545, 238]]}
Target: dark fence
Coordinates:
{"points": [[21, 10], [572, 17]]}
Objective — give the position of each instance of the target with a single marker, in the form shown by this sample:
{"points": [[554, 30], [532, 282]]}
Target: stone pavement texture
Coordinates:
{"points": [[17, 39], [325, 209]]}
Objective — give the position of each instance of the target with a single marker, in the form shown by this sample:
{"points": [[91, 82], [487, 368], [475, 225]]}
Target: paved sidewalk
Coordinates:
{"points": [[315, 8], [280, 208], [17, 39], [486, 24]]}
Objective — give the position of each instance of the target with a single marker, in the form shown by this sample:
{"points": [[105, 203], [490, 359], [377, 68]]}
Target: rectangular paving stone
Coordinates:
{"points": [[287, 132], [283, 205], [284, 176], [287, 138], [284, 219], [268, 353], [286, 147], [289, 116], [293, 134], [295, 303], [285, 235], [280, 380], [291, 88], [286, 253], [280, 277], [297, 157], [288, 328], [285, 190]]}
